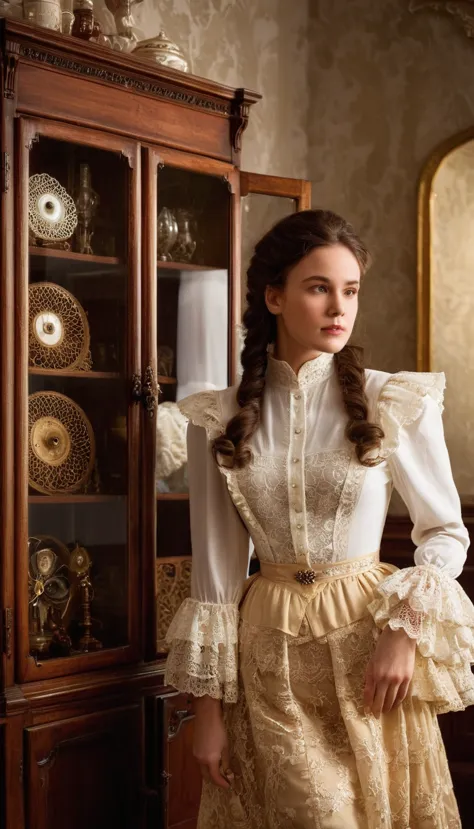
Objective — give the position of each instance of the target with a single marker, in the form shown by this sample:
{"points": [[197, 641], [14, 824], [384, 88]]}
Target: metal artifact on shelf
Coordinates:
{"points": [[61, 444], [59, 336], [49, 596], [80, 564], [52, 215], [87, 202]]}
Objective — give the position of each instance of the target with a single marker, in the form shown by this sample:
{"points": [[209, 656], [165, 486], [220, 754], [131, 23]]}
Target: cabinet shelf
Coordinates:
{"points": [[71, 256], [88, 375], [166, 381], [74, 499], [185, 266], [172, 496]]}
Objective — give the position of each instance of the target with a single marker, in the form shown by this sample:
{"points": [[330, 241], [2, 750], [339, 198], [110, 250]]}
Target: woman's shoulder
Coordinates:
{"points": [[398, 400], [211, 409], [403, 385]]}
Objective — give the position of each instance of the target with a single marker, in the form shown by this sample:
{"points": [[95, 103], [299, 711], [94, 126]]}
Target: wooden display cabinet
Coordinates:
{"points": [[119, 293]]}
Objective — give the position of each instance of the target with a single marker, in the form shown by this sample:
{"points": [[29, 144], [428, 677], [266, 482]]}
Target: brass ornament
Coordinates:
{"points": [[49, 591], [305, 576], [61, 444], [58, 330], [52, 215]]}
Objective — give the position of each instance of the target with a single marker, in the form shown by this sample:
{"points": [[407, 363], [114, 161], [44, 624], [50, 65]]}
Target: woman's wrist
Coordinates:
{"points": [[207, 704]]}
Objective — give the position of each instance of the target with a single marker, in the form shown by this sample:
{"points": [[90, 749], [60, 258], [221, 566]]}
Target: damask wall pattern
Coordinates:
{"points": [[356, 95], [452, 309]]}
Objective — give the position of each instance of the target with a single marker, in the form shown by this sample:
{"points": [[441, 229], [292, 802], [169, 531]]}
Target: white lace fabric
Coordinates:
{"points": [[432, 608], [305, 499], [401, 402], [203, 650]]}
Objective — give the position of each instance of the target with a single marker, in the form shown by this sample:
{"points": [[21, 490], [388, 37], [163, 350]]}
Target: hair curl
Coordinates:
{"points": [[289, 241]]}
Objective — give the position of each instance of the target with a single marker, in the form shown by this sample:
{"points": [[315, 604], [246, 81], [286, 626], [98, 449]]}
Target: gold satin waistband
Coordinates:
{"points": [[301, 578], [336, 595]]}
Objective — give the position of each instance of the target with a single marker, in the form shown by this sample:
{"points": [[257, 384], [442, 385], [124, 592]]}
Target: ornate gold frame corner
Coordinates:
{"points": [[424, 254]]}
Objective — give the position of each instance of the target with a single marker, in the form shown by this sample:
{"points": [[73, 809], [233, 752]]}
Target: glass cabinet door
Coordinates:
{"points": [[265, 200], [193, 296], [78, 447]]}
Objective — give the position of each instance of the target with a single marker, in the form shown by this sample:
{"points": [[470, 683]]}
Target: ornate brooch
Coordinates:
{"points": [[305, 576]]}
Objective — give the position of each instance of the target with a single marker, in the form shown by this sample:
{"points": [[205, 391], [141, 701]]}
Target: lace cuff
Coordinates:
{"points": [[203, 650], [433, 609], [446, 629], [401, 403]]}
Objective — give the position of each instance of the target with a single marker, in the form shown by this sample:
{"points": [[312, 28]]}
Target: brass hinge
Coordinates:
{"points": [[5, 172], [7, 631]]}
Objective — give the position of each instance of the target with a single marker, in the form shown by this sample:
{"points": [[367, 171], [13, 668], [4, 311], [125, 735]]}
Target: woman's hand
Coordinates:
{"points": [[389, 671], [210, 742]]}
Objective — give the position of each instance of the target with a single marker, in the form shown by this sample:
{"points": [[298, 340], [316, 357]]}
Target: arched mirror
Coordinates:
{"points": [[446, 294]]}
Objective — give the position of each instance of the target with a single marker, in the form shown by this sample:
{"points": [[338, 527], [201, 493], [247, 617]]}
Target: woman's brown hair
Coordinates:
{"points": [[289, 241]]}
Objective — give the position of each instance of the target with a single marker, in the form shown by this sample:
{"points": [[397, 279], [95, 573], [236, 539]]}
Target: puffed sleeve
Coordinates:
{"points": [[426, 600], [202, 637]]}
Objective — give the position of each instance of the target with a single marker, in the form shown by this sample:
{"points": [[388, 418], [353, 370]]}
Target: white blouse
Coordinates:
{"points": [[305, 498]]}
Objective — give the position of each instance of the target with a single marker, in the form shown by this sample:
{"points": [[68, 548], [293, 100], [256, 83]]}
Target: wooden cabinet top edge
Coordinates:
{"points": [[24, 42], [50, 693]]}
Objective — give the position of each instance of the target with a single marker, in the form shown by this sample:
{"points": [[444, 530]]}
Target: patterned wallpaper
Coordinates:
{"points": [[386, 87], [356, 95], [452, 221], [260, 44]]}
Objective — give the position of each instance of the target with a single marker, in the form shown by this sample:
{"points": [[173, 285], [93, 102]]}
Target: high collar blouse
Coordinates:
{"points": [[305, 498]]}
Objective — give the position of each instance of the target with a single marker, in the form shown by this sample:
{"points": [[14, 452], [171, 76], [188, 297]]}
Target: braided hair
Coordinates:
{"points": [[289, 241]]}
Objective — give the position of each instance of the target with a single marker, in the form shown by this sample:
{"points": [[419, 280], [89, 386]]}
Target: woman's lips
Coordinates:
{"points": [[334, 330]]}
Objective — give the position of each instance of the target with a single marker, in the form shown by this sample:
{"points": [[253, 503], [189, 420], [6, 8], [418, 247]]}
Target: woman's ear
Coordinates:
{"points": [[273, 299]]}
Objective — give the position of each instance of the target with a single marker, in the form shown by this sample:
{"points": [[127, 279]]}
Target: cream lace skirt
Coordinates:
{"points": [[303, 753]]}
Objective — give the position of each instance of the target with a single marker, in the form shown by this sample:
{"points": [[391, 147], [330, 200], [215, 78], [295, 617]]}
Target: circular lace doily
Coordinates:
{"points": [[61, 444], [52, 214], [58, 329]]}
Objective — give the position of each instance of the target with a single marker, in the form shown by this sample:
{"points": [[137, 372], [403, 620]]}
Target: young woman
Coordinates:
{"points": [[318, 680]]}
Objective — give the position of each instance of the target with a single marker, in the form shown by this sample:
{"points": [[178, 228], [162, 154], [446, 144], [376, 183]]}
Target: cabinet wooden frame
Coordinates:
{"points": [[27, 131], [64, 89]]}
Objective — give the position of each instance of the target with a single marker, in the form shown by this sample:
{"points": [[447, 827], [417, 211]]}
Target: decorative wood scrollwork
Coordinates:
{"points": [[240, 119], [150, 392], [137, 84], [137, 390]]}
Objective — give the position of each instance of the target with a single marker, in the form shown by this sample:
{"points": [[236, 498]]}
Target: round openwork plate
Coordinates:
{"points": [[52, 214], [61, 444], [59, 335]]}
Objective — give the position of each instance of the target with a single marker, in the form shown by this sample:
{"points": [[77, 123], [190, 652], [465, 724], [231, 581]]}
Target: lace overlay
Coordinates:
{"points": [[315, 371], [323, 763], [332, 486], [203, 650], [204, 409], [264, 487], [446, 630], [401, 402]]}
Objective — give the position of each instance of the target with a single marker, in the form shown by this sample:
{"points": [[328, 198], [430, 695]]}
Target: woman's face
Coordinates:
{"points": [[317, 307]]}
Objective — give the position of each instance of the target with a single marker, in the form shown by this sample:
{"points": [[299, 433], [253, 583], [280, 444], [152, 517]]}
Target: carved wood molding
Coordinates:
{"points": [[10, 62], [463, 10], [123, 79]]}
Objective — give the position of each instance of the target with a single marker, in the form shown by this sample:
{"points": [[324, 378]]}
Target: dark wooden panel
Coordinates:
{"points": [[85, 772], [75, 99], [172, 771]]}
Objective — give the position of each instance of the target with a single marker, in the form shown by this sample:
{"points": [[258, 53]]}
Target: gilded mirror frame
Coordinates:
{"points": [[424, 245]]}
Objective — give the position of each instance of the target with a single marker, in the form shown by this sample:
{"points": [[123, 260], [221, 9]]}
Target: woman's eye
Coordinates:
{"points": [[319, 289]]}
